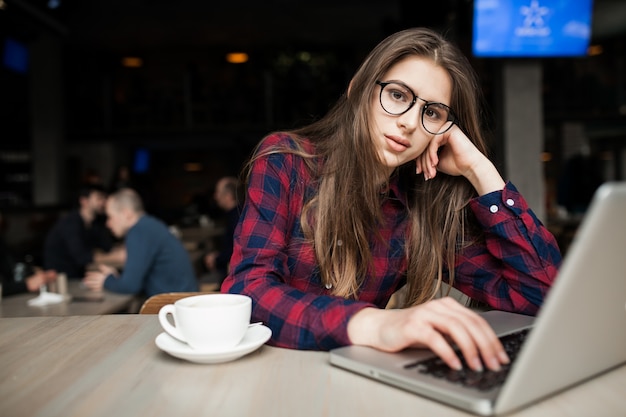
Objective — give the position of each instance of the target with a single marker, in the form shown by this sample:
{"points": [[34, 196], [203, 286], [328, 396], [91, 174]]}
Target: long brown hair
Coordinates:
{"points": [[346, 212]]}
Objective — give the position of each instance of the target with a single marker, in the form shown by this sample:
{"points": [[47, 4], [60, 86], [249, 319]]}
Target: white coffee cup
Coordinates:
{"points": [[208, 322]]}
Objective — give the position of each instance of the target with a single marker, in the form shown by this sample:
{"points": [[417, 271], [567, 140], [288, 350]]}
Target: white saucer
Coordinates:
{"points": [[46, 298], [254, 338]]}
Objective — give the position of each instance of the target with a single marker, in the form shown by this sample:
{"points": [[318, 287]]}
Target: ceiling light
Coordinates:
{"points": [[132, 62], [193, 167], [237, 57], [594, 50]]}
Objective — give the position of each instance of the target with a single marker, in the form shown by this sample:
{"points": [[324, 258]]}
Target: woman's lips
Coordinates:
{"points": [[397, 144]]}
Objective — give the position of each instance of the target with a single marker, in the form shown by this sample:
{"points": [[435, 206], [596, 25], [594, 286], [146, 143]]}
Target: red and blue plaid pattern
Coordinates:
{"points": [[512, 270]]}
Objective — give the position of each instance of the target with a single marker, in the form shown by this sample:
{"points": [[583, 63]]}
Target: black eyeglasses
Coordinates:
{"points": [[397, 98]]}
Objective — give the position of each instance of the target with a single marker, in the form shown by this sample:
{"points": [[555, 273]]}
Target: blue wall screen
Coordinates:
{"points": [[531, 28]]}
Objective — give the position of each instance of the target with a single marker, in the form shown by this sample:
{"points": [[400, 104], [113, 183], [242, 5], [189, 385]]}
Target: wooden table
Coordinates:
{"points": [[17, 305], [110, 366]]}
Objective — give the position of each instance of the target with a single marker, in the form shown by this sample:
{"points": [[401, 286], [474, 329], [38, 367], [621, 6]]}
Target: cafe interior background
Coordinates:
{"points": [[180, 92]]}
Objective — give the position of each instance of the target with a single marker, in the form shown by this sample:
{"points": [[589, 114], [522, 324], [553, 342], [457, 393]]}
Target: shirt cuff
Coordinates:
{"points": [[499, 206]]}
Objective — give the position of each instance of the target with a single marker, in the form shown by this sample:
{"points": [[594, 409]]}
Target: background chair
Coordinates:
{"points": [[153, 304]]}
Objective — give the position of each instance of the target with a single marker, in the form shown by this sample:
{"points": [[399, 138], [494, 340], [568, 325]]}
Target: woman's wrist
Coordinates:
{"points": [[485, 178], [364, 328], [358, 325]]}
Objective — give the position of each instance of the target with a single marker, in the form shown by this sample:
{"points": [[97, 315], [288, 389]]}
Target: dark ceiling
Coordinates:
{"points": [[138, 24], [126, 25], [194, 34]]}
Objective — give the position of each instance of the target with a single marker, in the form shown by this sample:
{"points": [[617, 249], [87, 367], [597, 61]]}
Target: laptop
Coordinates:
{"points": [[580, 331]]}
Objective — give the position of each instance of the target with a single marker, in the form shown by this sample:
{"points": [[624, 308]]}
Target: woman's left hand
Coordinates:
{"points": [[454, 154], [451, 153]]}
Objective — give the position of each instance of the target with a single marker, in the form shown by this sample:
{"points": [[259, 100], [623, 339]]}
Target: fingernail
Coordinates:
{"points": [[503, 357], [494, 364], [456, 365], [477, 365]]}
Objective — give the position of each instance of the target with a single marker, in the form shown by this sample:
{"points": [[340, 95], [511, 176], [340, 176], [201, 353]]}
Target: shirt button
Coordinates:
{"points": [[493, 209], [328, 286], [510, 202]]}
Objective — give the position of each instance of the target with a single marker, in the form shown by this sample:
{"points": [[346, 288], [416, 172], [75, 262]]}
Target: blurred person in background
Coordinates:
{"points": [[121, 179], [156, 260], [80, 238], [226, 197]]}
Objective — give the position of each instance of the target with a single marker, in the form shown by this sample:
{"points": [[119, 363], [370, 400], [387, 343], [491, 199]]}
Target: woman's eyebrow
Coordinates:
{"points": [[413, 90]]}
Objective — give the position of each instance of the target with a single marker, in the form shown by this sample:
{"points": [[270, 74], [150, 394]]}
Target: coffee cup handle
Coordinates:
{"points": [[171, 330]]}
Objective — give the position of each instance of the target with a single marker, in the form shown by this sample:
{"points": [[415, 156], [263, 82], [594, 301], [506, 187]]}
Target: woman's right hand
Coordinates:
{"points": [[435, 325]]}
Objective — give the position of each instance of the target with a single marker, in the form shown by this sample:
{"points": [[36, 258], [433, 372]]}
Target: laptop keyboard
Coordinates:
{"points": [[483, 381]]}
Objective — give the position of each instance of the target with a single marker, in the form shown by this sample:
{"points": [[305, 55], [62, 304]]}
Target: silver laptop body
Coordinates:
{"points": [[579, 333]]}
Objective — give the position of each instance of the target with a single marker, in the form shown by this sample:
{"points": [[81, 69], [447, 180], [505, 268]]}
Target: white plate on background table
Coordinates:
{"points": [[254, 338]]}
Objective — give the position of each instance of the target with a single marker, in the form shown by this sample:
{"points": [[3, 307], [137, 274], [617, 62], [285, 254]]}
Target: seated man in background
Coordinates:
{"points": [[80, 237], [226, 198], [156, 260], [17, 277]]}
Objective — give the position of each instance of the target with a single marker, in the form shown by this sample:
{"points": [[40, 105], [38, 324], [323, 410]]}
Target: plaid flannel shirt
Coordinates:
{"points": [[511, 270]]}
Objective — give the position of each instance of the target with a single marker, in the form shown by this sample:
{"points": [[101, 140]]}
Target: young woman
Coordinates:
{"points": [[391, 188]]}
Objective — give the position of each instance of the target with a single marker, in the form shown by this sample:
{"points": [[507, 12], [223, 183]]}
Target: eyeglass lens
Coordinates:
{"points": [[397, 99]]}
